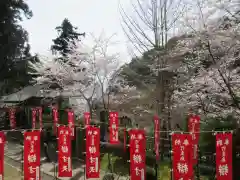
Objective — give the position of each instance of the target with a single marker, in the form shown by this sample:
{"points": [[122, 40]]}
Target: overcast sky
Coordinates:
{"points": [[88, 15]]}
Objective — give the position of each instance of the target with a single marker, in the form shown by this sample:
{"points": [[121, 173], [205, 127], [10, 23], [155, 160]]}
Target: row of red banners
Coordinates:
{"points": [[93, 154], [182, 145], [193, 127]]}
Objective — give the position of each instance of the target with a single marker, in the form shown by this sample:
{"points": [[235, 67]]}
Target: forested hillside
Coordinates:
{"points": [[203, 67]]}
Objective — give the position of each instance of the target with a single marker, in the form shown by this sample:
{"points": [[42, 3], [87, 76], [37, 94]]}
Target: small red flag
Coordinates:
{"points": [[12, 118], [92, 152], [194, 128], [34, 117], [224, 156], [137, 154], [40, 117], [55, 119], [64, 152], [87, 118], [182, 156], [71, 123], [32, 155], [113, 128]]}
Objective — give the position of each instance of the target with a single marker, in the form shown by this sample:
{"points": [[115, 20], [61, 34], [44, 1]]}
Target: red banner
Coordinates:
{"points": [[137, 154], [2, 143], [71, 123], [87, 118], [113, 128], [55, 119], [224, 156], [31, 162], [12, 118], [34, 117], [156, 136], [182, 156], [92, 152], [64, 152], [194, 128], [40, 117]]}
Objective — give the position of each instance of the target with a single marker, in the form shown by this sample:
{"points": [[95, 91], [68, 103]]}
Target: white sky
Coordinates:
{"points": [[90, 16]]}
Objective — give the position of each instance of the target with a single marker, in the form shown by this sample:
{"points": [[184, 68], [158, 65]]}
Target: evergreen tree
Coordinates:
{"points": [[66, 33], [14, 49]]}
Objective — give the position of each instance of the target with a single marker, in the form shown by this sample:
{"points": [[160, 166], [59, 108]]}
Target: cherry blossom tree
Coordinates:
{"points": [[85, 73], [209, 72], [106, 64]]}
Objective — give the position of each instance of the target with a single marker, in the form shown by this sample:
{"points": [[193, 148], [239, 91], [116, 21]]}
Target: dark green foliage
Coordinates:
{"points": [[14, 49], [66, 33], [139, 70]]}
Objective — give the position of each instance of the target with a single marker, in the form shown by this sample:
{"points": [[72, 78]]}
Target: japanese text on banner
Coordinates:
{"points": [[40, 117], [34, 117], [12, 118], [224, 156], [156, 136], [194, 128], [113, 127], [64, 152], [87, 118], [137, 154], [71, 122], [2, 143], [55, 119], [92, 152], [182, 156], [32, 155]]}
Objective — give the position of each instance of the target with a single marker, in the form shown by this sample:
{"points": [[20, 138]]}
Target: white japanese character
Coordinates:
{"points": [[226, 142], [92, 160], [64, 149], [89, 132], [28, 138], [114, 126], [133, 136], [65, 159], [223, 170], [182, 168], [92, 169], [32, 147], [92, 149], [219, 142], [137, 158], [92, 141], [65, 168], [177, 142], [35, 138], [140, 136], [32, 158], [95, 132], [182, 158], [31, 170], [137, 170], [186, 142]]}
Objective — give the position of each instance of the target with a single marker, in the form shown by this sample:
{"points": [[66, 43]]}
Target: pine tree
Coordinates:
{"points": [[14, 49], [66, 33]]}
